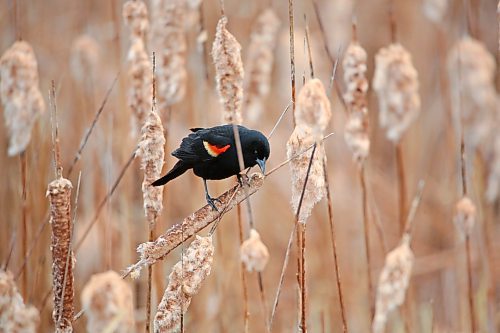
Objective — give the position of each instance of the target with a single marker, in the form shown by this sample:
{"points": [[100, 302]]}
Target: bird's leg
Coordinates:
{"points": [[242, 179], [210, 200]]}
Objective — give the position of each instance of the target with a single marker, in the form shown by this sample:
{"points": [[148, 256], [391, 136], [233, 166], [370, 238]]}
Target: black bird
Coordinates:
{"points": [[212, 154]]}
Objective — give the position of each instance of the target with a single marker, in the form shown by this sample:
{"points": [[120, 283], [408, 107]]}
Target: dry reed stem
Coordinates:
{"points": [[20, 95], [366, 233], [24, 220], [108, 303], [151, 252], [184, 282], [292, 56], [246, 313], [226, 54], [15, 316]]}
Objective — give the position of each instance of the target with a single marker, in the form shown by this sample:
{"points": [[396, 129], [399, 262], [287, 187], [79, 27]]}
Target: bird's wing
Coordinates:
{"points": [[202, 145]]}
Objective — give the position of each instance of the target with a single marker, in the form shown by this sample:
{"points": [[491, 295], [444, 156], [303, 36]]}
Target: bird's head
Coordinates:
{"points": [[256, 149]]}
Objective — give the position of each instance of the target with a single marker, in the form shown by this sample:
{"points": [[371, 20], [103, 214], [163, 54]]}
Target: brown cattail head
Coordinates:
{"points": [[472, 72], [59, 193], [259, 63], [356, 130], [20, 95], [396, 83], [168, 41], [15, 316], [84, 57], [313, 108], [152, 151], [184, 282], [393, 282], [254, 253], [135, 14], [301, 139], [107, 301], [226, 54], [465, 216]]}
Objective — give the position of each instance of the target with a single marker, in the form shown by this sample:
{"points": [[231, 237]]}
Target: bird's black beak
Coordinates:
{"points": [[262, 165]]}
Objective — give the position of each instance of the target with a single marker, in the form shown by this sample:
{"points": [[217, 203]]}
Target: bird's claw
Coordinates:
{"points": [[242, 179], [211, 202]]}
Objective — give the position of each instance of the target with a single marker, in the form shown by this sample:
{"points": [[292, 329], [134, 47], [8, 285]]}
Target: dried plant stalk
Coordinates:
{"points": [[84, 57], [15, 316], [168, 40], [254, 253], [20, 95], [393, 282], [151, 252], [465, 216], [59, 193], [259, 63], [493, 188], [356, 129], [152, 151], [184, 282], [108, 304], [226, 54], [396, 84]]}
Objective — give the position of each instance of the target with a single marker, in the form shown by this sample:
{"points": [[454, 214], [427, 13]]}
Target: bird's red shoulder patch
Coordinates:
{"points": [[214, 150]]}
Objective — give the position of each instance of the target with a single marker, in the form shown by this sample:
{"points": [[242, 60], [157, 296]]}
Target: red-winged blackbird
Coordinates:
{"points": [[212, 154]]}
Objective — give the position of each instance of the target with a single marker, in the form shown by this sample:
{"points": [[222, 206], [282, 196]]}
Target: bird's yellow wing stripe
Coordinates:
{"points": [[213, 150]]}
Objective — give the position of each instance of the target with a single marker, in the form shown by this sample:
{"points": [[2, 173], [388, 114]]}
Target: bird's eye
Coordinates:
{"points": [[255, 152]]}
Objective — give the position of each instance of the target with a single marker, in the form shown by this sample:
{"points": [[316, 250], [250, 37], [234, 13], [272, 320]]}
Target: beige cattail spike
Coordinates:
{"points": [[15, 316], [356, 129], [465, 216], [152, 152], [254, 253], [396, 83], [59, 193], [108, 304], [393, 282], [313, 108], [226, 54], [20, 95], [135, 14], [84, 58], [259, 62], [184, 282], [168, 41]]}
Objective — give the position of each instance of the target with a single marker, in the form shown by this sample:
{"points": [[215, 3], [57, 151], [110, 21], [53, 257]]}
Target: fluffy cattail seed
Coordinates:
{"points": [[313, 108], [396, 84], [393, 282], [107, 301], [226, 54], [20, 95], [84, 57], [254, 253], [15, 316], [465, 216], [184, 282], [135, 14]]}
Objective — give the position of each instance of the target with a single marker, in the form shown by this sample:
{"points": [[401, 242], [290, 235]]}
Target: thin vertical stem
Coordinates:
{"points": [[243, 275], [366, 232], [469, 284], [24, 222], [292, 56], [401, 187], [303, 289], [149, 288]]}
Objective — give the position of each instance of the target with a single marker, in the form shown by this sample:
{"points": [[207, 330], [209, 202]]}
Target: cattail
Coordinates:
{"points": [[168, 40], [435, 10], [151, 149], [465, 216], [20, 95], [254, 253], [396, 84], [259, 64], [472, 72], [313, 108], [226, 54], [84, 57], [356, 129], [59, 193], [393, 282], [108, 305], [139, 73], [184, 282], [15, 316]]}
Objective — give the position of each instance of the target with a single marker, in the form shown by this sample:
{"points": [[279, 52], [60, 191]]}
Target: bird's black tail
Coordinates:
{"points": [[178, 169]]}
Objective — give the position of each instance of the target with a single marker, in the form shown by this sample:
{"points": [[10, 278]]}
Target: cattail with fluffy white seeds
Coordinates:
{"points": [[185, 281], [396, 84], [259, 62], [84, 57], [108, 303], [465, 216], [135, 14], [20, 95], [393, 282], [254, 253], [226, 54]]}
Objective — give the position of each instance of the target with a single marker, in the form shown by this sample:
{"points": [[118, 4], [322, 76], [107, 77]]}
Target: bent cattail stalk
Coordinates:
{"points": [[15, 316], [254, 253], [20, 95], [59, 193], [84, 57], [393, 282], [108, 304], [396, 83], [184, 282], [259, 64], [356, 129], [226, 54], [168, 41]]}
